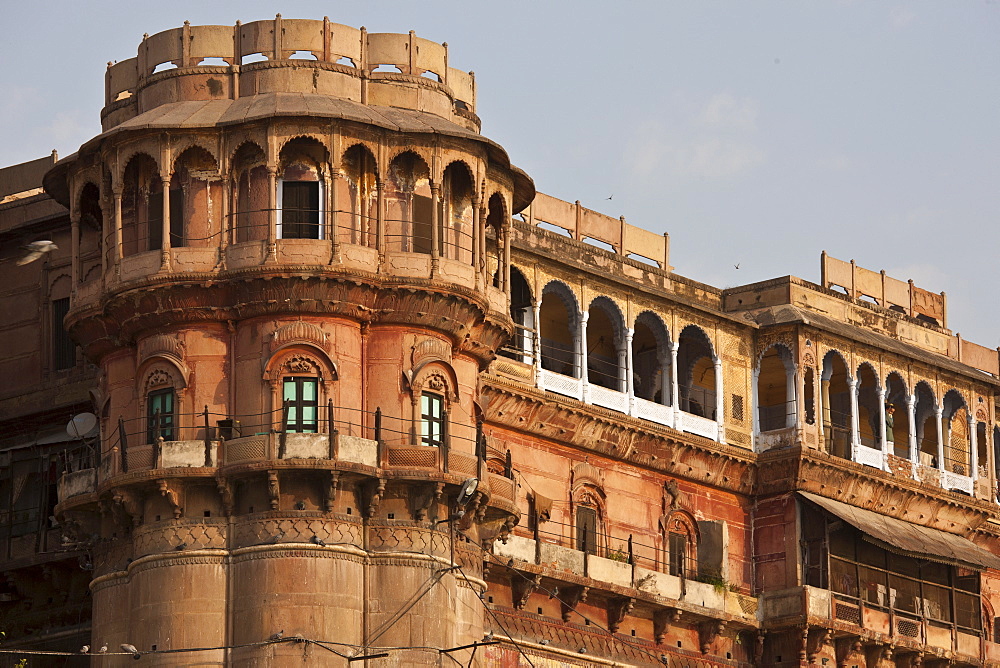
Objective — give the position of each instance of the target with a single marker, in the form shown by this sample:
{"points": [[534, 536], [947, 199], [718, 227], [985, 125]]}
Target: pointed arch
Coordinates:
{"points": [[775, 390], [408, 204], [559, 330], [837, 404], [357, 196], [696, 372], [651, 359], [250, 196], [459, 198]]}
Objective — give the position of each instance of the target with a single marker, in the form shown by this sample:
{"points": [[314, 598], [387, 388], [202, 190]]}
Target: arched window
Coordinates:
{"points": [[680, 544], [161, 402], [142, 206], [870, 409], [91, 232], [957, 440], [776, 389], [434, 393], [898, 427], [432, 419], [651, 373], [250, 193], [195, 199], [301, 190], [836, 397], [356, 197], [605, 345], [458, 192], [495, 240], [696, 370], [301, 378], [522, 313], [927, 427], [408, 205], [558, 331]]}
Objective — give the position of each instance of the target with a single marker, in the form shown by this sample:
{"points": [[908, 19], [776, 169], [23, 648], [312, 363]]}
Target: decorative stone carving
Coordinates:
{"points": [[376, 491], [330, 492], [158, 378], [302, 364], [618, 609], [662, 620], [225, 494], [430, 350], [708, 633], [816, 640], [273, 489], [161, 344], [172, 497], [299, 332], [522, 586]]}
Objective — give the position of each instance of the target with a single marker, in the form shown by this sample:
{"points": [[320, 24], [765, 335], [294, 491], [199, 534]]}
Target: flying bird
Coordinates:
{"points": [[612, 195], [35, 250], [737, 265]]}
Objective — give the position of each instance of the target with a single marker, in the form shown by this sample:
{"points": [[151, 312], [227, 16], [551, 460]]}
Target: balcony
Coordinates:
{"points": [[368, 443], [626, 567]]}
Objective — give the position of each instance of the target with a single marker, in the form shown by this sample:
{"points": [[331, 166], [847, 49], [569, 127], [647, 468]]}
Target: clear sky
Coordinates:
{"points": [[755, 133]]}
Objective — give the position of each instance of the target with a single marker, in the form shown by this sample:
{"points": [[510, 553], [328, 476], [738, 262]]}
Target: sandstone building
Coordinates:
{"points": [[359, 391]]}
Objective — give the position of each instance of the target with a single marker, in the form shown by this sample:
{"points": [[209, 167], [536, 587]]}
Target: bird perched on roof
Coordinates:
{"points": [[85, 649], [131, 649], [277, 636], [275, 539], [318, 541], [35, 250], [104, 648]]}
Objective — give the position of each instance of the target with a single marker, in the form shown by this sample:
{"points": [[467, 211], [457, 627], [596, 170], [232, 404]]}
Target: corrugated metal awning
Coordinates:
{"points": [[911, 540]]}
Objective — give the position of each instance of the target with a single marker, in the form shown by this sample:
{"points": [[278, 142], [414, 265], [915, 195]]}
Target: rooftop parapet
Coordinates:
{"points": [[581, 223], [319, 57], [888, 292]]}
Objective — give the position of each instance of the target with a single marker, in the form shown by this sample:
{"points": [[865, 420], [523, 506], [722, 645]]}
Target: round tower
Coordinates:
{"points": [[290, 263]]}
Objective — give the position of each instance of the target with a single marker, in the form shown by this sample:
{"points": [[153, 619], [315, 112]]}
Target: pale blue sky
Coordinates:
{"points": [[757, 133]]}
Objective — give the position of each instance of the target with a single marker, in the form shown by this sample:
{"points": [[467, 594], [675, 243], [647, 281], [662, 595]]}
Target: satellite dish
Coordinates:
{"points": [[468, 490], [82, 426]]}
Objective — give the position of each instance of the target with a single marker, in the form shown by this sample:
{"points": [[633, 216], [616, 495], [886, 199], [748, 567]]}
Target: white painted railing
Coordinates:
{"points": [[870, 457], [700, 426], [658, 413], [961, 483], [560, 384], [602, 396]]}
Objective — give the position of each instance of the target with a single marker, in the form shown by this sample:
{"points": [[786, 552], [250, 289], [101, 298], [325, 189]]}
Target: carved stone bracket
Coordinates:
{"points": [[225, 494], [127, 507], [912, 659], [876, 653], [816, 639], [330, 492], [522, 586], [423, 497], [171, 495], [569, 598], [376, 489], [618, 609], [273, 489], [662, 621], [708, 633], [846, 648]]}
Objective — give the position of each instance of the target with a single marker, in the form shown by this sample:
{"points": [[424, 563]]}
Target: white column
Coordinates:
{"points": [[938, 418], [629, 373], [881, 428], [675, 395], [911, 431], [581, 347], [973, 454], [720, 403], [792, 394], [853, 384], [754, 408], [536, 310], [665, 383]]}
